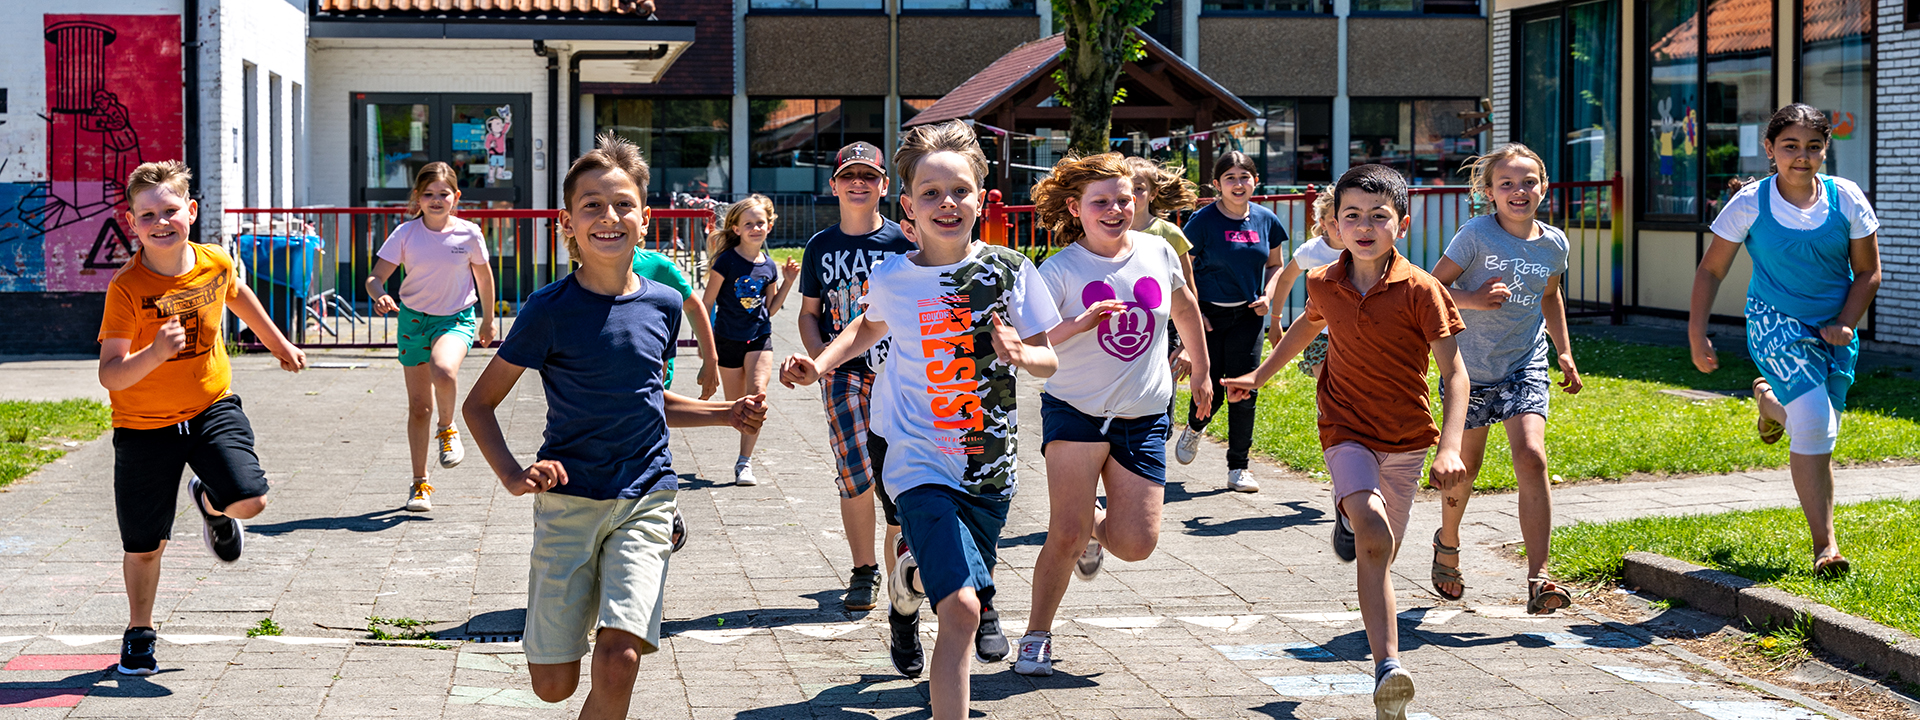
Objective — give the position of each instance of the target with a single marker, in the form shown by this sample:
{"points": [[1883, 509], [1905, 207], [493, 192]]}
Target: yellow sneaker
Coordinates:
{"points": [[421, 499], [451, 451]]}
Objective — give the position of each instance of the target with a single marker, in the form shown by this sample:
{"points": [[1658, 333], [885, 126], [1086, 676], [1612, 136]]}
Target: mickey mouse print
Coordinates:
{"points": [[1120, 369]]}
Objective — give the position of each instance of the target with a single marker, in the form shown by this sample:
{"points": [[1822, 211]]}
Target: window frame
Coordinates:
{"points": [[1643, 116], [1516, 68], [1410, 173], [1326, 11], [1912, 10], [1421, 13]]}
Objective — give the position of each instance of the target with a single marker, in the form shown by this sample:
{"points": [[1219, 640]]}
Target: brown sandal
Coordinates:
{"points": [[1444, 574], [1770, 430], [1832, 566], [1544, 597]]}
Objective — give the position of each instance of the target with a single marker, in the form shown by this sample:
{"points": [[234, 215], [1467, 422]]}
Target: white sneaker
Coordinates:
{"points": [[1242, 481], [743, 475], [900, 593], [1088, 566], [1036, 655], [1188, 446], [420, 498], [451, 451], [1391, 694]]}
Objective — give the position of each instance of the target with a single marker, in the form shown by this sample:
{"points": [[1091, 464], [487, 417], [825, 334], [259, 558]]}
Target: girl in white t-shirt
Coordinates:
{"points": [[1324, 249], [447, 279], [1106, 420]]}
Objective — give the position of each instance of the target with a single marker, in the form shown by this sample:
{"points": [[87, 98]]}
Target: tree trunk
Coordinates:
{"points": [[1097, 40]]}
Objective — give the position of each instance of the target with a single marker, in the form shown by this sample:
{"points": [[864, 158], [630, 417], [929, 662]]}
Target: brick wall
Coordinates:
{"points": [[51, 323], [1499, 82], [1897, 163], [706, 68]]}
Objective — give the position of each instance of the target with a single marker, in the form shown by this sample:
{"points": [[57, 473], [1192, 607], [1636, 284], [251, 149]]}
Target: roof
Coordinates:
{"points": [[1746, 26], [529, 7]]}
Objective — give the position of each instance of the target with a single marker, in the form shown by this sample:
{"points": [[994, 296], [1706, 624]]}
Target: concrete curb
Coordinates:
{"points": [[1868, 643]]}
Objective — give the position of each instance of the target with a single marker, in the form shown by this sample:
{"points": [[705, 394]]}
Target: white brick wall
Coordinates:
{"points": [[271, 35], [1897, 162], [340, 68], [1500, 84]]}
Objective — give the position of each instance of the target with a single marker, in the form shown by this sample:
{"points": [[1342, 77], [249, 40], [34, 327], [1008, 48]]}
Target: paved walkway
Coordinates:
{"points": [[1243, 611]]}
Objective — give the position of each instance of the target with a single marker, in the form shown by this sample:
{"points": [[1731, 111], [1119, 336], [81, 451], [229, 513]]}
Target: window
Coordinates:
{"points": [[1269, 6], [1423, 7], [874, 5], [250, 134], [968, 5], [482, 136], [1575, 47], [1836, 75], [276, 144], [1420, 138], [687, 141], [1704, 119], [1292, 140], [795, 140]]}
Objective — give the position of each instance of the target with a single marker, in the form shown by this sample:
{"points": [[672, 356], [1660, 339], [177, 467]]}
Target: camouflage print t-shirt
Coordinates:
{"points": [[945, 401]]}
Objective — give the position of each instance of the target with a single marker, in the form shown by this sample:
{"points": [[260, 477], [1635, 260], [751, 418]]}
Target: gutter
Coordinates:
{"points": [[553, 119], [190, 69]]}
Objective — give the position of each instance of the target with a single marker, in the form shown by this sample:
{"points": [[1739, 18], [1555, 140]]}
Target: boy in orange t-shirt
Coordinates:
{"points": [[172, 406], [1386, 316]]}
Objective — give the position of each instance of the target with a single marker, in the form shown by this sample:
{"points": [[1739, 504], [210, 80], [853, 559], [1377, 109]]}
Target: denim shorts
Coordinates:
{"points": [[955, 538], [1138, 444]]}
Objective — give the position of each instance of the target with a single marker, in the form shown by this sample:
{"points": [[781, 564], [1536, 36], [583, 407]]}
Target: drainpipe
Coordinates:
{"points": [[190, 68], [553, 120], [1342, 104]]}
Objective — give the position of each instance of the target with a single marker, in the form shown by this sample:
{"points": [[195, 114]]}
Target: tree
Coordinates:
{"points": [[1099, 42]]}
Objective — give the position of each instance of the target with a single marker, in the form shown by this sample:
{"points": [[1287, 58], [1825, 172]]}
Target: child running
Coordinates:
{"points": [[173, 403], [1504, 272], [963, 316], [1107, 422], [1816, 267], [604, 479], [833, 278], [745, 289], [447, 275], [1387, 315], [1158, 190], [1321, 250]]}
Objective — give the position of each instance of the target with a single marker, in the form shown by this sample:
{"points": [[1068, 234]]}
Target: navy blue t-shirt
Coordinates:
{"points": [[1230, 256], [601, 360], [740, 311], [835, 270]]}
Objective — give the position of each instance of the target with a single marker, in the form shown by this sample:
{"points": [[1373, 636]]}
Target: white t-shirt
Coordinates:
{"points": [[1743, 210], [1118, 369], [1315, 253], [439, 264], [945, 402]]}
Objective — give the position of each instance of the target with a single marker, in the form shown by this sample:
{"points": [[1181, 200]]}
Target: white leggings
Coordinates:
{"points": [[1812, 423]]}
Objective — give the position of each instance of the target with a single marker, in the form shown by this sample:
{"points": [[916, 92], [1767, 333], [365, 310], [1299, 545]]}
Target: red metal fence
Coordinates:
{"points": [[310, 265]]}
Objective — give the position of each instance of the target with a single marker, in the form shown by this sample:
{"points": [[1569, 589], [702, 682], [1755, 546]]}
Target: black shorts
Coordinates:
{"points": [[733, 353], [876, 462], [217, 444]]}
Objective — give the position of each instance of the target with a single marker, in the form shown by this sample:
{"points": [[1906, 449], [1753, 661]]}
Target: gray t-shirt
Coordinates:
{"points": [[1498, 343]]}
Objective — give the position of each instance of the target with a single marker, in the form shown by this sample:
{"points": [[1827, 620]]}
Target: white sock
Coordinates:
{"points": [[742, 462]]}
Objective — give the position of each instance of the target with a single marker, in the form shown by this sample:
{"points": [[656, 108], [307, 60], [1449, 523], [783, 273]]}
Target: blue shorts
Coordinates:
{"points": [[955, 538], [1138, 444]]}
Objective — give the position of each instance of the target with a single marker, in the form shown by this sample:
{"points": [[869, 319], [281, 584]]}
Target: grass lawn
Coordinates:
{"points": [[1621, 423], [1881, 537], [31, 433]]}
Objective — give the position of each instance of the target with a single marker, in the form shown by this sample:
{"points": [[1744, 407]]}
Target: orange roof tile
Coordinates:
{"points": [[1746, 26]]}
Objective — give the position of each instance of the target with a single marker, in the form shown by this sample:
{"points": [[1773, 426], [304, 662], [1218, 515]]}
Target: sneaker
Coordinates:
{"points": [[743, 475], [679, 535], [1088, 566], [1036, 655], [1242, 481], [1188, 446], [1391, 694], [451, 451], [224, 536], [420, 498], [136, 652], [989, 644], [863, 588], [903, 643], [900, 592], [1343, 541]]}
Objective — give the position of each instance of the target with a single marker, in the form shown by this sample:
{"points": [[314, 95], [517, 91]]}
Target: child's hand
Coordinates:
{"points": [[748, 413], [1447, 470], [1182, 365], [1201, 388], [171, 338], [384, 304], [291, 357], [1704, 358], [1837, 335], [541, 476], [1259, 305], [1491, 295], [1571, 380], [1240, 388], [484, 335], [1097, 313], [1007, 343], [791, 270], [709, 379], [799, 370]]}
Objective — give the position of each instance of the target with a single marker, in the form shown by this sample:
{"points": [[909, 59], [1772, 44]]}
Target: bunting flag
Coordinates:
{"points": [[990, 128], [1159, 143]]}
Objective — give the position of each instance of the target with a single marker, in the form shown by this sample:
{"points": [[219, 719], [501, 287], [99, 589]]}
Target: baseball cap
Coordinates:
{"points": [[859, 153]]}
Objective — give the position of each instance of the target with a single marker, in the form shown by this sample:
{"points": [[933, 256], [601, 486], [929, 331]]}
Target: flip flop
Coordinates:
{"points": [[1832, 566], [1770, 430], [1544, 597], [1444, 574]]}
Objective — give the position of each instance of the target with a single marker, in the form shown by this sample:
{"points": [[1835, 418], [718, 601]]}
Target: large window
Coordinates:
{"points": [[481, 136], [967, 5], [1292, 140], [1423, 7], [686, 141], [1704, 119], [1836, 75], [1420, 138], [1269, 6], [1567, 70], [795, 140], [874, 5]]}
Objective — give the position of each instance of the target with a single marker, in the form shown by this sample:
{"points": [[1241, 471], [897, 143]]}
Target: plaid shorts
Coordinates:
{"points": [[845, 394]]}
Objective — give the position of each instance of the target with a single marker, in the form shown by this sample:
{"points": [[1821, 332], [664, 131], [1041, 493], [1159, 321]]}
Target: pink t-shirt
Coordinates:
{"points": [[439, 264]]}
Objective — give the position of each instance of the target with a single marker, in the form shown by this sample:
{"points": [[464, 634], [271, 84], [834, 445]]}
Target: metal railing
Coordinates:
{"points": [[309, 266]]}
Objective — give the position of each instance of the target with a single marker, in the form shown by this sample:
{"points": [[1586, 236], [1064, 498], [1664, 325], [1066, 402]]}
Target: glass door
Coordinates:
{"points": [[479, 135]]}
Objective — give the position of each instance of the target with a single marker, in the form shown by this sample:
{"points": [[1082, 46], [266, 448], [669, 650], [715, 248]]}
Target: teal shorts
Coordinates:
{"points": [[419, 330]]}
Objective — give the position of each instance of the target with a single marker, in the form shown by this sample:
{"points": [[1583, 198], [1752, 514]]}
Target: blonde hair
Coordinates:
{"points": [[1480, 169], [1323, 207], [429, 174], [723, 238], [950, 136], [1168, 188], [170, 174], [610, 152], [1066, 184]]}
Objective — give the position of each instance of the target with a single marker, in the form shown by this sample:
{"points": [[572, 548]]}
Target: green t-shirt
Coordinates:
{"points": [[660, 268], [1164, 229]]}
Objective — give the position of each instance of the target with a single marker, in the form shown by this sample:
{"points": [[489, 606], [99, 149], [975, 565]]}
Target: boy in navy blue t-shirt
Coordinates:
{"points": [[603, 513]]}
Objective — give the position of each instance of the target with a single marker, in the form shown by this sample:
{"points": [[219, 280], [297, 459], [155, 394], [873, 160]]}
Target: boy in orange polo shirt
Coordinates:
{"points": [[172, 403], [1386, 316]]}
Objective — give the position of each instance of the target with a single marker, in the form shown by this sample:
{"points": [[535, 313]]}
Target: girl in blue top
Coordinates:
{"points": [[745, 289], [1816, 267]]}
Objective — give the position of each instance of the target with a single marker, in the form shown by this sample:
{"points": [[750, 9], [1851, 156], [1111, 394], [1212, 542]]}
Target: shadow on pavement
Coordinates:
{"points": [[1177, 492], [1279, 709], [1303, 514], [826, 609], [375, 521]]}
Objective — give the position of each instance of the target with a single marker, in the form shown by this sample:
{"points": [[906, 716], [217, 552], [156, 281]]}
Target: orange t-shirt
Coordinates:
{"points": [[1374, 391], [138, 302]]}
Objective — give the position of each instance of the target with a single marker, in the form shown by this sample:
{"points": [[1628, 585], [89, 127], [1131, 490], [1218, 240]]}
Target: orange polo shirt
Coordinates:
{"points": [[1374, 391], [139, 301]]}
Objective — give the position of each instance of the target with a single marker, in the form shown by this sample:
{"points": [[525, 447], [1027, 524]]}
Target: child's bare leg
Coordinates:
{"points": [[616, 661], [1374, 542], [419, 415], [1453, 508], [141, 571], [1073, 476], [1813, 482], [857, 516], [755, 372], [1527, 436], [556, 682], [444, 371], [950, 684], [893, 536], [1130, 529], [241, 509]]}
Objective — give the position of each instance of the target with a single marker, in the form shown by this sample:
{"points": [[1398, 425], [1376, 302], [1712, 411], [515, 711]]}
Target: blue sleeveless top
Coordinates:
{"points": [[1803, 273]]}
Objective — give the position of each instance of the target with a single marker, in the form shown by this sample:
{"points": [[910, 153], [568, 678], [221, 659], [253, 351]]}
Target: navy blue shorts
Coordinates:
{"points": [[1138, 444], [955, 537]]}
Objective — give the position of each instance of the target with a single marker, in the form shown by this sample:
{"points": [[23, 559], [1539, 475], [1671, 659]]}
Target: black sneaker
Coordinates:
{"points": [[136, 652], [1343, 541], [679, 535], [224, 535], [863, 589], [904, 645], [989, 644]]}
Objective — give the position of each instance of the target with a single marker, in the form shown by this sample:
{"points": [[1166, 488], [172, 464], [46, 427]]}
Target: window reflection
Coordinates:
{"points": [[1835, 76]]}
